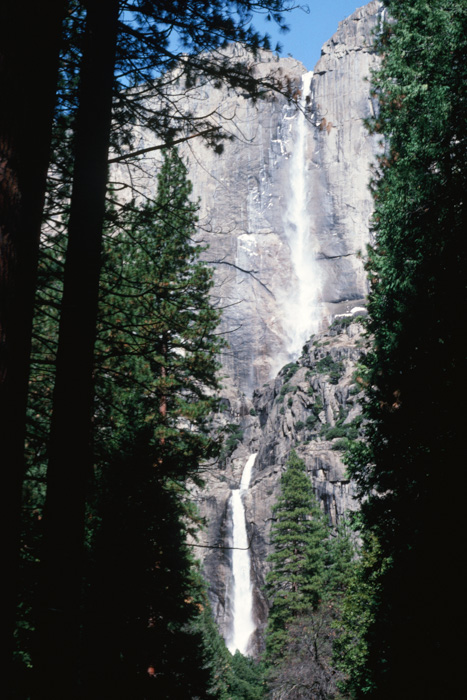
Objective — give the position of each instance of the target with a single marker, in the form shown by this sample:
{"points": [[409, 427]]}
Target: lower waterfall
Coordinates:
{"points": [[243, 624]]}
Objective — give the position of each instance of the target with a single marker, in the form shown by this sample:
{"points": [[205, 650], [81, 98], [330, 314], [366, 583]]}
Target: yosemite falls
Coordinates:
{"points": [[285, 213], [243, 624], [300, 302]]}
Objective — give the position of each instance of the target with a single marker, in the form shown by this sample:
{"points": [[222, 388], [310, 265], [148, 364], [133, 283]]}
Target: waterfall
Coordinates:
{"points": [[243, 624], [301, 312]]}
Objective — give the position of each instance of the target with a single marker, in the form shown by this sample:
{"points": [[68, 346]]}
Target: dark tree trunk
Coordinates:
{"points": [[70, 454], [30, 33]]}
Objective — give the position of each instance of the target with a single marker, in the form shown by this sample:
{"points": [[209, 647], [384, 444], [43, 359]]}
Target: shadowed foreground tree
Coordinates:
{"points": [[29, 40], [416, 369], [130, 54]]}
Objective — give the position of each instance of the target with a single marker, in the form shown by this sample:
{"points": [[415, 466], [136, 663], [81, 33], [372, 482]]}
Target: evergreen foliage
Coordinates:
{"points": [[248, 681], [295, 581], [146, 606], [416, 369], [158, 343], [156, 372], [311, 570]]}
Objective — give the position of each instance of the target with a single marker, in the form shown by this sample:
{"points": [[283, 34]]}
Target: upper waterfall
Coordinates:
{"points": [[301, 315], [285, 209]]}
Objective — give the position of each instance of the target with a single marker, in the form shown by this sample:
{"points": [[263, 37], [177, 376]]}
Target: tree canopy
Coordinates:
{"points": [[417, 363], [115, 59]]}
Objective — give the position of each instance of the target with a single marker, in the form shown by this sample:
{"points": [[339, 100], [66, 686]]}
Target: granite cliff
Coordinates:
{"points": [[285, 211], [312, 405], [312, 402], [285, 208]]}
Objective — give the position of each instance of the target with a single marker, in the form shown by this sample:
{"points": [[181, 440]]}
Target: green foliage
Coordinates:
{"points": [[317, 406], [294, 583], [340, 324], [311, 421], [342, 430], [309, 664], [234, 437], [351, 650], [417, 359], [327, 365], [287, 389], [157, 342], [289, 370], [248, 681]]}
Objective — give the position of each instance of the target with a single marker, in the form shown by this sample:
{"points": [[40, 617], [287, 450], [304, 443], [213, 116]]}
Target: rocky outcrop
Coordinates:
{"points": [[247, 193], [312, 406]]}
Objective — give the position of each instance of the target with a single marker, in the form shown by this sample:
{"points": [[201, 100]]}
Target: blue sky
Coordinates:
{"points": [[308, 32]]}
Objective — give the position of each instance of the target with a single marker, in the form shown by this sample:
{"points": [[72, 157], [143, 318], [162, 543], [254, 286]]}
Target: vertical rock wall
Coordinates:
{"points": [[309, 408], [244, 194]]}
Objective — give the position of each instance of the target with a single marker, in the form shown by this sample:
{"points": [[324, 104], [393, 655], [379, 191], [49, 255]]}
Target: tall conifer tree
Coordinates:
{"points": [[417, 364], [156, 377], [296, 579]]}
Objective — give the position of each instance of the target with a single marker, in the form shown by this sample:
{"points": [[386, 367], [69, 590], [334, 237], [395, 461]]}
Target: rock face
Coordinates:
{"points": [[285, 209], [280, 161], [312, 403], [313, 406]]}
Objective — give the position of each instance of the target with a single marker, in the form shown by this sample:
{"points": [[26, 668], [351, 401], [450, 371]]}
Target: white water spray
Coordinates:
{"points": [[301, 311], [242, 594]]}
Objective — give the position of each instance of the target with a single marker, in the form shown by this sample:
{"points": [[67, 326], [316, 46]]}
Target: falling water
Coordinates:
{"points": [[243, 624], [301, 302]]}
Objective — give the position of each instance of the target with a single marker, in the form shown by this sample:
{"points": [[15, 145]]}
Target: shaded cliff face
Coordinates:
{"points": [[281, 173], [313, 406]]}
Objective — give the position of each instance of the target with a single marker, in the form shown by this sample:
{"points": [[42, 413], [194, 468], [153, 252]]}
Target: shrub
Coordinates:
{"points": [[329, 366], [318, 405], [235, 435], [289, 370], [310, 421]]}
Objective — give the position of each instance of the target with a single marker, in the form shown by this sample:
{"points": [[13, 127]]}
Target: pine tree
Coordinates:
{"points": [[156, 377], [311, 569], [416, 369], [158, 345], [115, 56], [295, 581]]}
